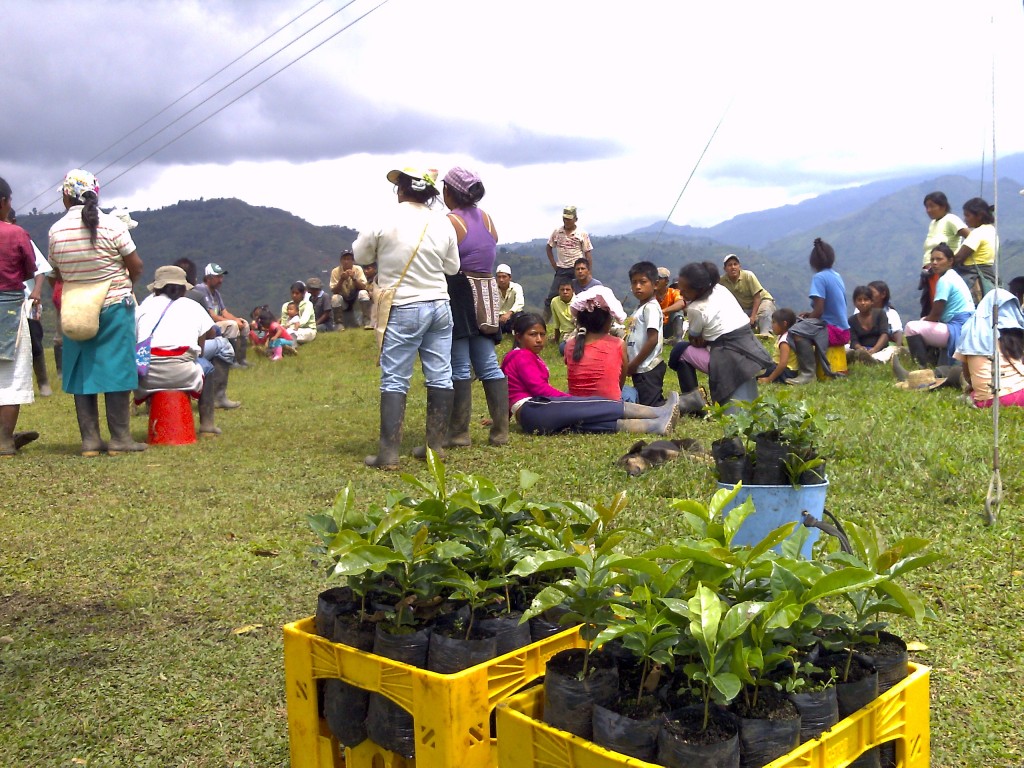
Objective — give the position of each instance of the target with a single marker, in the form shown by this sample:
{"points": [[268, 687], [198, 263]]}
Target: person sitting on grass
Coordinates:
{"points": [[722, 343], [541, 409], [290, 319], [561, 317], [305, 332], [596, 360], [975, 349], [321, 301], [278, 337], [882, 299], [869, 330], [673, 307], [785, 359], [257, 336], [643, 341], [950, 309]]}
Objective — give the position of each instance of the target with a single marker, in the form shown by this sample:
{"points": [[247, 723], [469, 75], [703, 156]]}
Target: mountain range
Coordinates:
{"points": [[877, 231]]}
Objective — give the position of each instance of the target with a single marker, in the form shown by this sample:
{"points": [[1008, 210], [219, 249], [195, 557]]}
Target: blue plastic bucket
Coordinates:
{"points": [[776, 505]]}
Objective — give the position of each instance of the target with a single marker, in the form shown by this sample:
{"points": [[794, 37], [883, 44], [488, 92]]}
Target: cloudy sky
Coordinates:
{"points": [[605, 105]]}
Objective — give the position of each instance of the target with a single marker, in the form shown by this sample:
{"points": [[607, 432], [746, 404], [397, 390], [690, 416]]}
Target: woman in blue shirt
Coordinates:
{"points": [[827, 323], [951, 307]]}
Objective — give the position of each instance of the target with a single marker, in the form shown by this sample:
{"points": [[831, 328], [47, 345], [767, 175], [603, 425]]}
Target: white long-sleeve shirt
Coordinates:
{"points": [[392, 244]]}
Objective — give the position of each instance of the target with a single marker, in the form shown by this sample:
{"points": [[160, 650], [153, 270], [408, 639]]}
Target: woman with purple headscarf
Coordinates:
{"points": [[472, 290]]}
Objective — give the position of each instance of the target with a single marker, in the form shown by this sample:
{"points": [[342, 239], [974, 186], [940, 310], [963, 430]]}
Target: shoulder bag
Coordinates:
{"points": [[386, 296], [81, 305], [144, 348]]}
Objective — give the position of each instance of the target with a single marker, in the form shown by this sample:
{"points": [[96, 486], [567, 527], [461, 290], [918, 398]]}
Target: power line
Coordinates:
{"points": [[692, 172], [214, 94], [250, 90], [211, 77]]}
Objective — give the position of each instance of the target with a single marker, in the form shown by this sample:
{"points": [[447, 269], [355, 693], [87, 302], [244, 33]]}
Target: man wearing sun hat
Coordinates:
{"points": [[566, 244]]}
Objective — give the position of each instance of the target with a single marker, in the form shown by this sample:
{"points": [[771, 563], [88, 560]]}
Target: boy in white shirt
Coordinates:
{"points": [[643, 342]]}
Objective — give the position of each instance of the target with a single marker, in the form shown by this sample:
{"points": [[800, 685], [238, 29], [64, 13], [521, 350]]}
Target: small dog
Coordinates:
{"points": [[644, 456]]}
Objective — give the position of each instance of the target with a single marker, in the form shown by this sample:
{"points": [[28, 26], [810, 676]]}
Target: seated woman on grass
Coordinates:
{"points": [[975, 350], [882, 299], [543, 410], [595, 360], [950, 309]]}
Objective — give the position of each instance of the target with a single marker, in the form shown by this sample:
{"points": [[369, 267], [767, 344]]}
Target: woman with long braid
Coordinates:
{"points": [[88, 246]]}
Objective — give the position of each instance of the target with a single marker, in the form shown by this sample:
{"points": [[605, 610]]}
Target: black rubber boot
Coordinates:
{"points": [[87, 408], [687, 376], [392, 414], [58, 357], [39, 368], [462, 411], [496, 392], [439, 413], [953, 375], [207, 405], [239, 345], [220, 394], [119, 422], [918, 350], [806, 360]]}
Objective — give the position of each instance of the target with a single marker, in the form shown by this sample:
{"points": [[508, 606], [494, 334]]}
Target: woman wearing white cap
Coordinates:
{"points": [[90, 247], [413, 253]]}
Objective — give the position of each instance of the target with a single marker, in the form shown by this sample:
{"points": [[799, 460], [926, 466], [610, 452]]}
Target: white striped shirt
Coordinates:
{"points": [[79, 261]]}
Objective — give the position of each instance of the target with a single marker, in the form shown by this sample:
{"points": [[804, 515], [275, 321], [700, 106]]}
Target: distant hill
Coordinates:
{"points": [[877, 231], [264, 250]]}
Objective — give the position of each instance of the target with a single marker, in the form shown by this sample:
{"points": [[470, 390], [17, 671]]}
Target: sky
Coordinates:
{"points": [[607, 106]]}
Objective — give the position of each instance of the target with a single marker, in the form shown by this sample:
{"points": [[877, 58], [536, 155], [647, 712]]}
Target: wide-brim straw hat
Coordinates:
{"points": [[921, 379]]}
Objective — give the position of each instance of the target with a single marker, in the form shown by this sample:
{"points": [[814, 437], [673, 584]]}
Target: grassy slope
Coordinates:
{"points": [[121, 580]]}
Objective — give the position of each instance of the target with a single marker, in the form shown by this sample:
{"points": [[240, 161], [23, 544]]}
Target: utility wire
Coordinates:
{"points": [[211, 77], [692, 172], [220, 91], [250, 90], [994, 497]]}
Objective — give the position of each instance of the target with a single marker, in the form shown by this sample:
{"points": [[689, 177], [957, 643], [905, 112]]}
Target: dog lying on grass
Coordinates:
{"points": [[644, 456]]}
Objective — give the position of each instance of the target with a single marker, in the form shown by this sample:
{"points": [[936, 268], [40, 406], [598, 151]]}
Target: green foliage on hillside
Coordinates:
{"points": [[266, 249]]}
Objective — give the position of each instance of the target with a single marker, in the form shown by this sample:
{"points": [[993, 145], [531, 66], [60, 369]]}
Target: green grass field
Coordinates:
{"points": [[142, 597]]}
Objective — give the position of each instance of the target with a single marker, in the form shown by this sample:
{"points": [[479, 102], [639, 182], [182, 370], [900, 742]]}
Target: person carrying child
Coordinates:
{"points": [[563, 324], [543, 410], [643, 341], [596, 361], [785, 359]]}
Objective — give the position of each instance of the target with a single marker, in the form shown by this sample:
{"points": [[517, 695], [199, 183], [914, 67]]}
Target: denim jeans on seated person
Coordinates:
{"points": [[220, 347], [424, 327], [480, 351]]}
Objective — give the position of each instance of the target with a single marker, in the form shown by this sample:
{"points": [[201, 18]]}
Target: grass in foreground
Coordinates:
{"points": [[142, 596]]}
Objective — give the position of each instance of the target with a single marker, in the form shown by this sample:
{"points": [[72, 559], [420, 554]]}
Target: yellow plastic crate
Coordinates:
{"points": [[451, 712], [899, 714]]}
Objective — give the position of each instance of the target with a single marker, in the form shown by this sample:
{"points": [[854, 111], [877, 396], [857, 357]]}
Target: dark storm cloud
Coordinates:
{"points": [[87, 74]]}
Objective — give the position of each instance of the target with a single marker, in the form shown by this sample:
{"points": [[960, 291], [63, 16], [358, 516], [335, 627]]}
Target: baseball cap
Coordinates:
{"points": [[314, 282], [729, 257], [504, 269], [214, 269], [569, 212], [663, 272]]}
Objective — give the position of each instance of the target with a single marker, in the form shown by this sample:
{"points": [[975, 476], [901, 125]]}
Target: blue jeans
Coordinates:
{"points": [[205, 365], [220, 347], [480, 351], [424, 327]]}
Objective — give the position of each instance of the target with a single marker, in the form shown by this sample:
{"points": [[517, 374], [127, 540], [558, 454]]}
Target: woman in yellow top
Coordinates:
{"points": [[975, 257]]}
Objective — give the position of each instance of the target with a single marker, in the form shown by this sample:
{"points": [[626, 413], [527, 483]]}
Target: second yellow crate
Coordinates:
{"points": [[900, 714], [451, 713]]}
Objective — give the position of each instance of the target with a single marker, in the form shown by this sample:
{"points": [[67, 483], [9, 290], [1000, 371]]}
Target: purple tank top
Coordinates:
{"points": [[478, 249]]}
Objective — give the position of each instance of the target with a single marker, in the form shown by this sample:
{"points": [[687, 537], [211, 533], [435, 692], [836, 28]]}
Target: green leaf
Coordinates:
{"points": [[436, 469], [728, 685], [527, 479], [706, 614], [364, 558], [838, 582], [735, 518], [547, 598]]}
